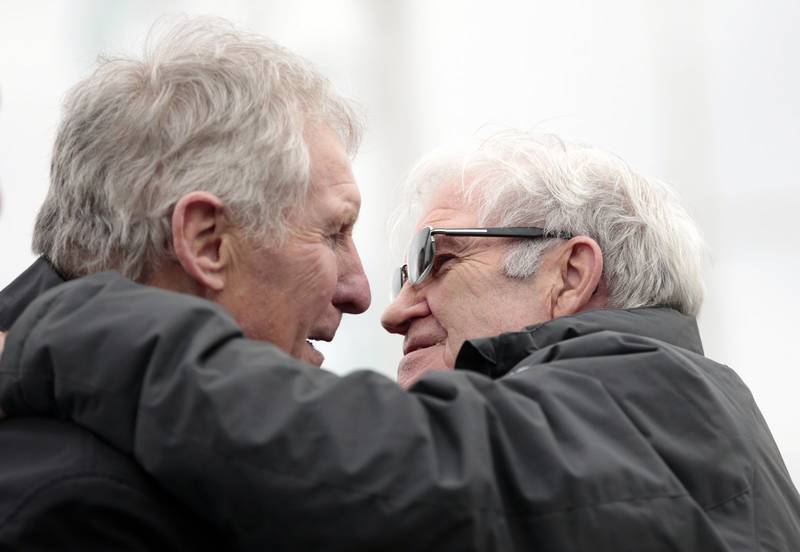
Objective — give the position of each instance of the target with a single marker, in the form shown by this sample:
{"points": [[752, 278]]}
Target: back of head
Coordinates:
{"points": [[652, 250], [207, 108]]}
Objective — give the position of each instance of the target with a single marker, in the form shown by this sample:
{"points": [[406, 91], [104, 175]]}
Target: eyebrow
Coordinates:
{"points": [[451, 245], [351, 212], [347, 216]]}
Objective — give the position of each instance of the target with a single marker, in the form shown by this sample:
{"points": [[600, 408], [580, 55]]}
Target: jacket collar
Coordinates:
{"points": [[495, 356]]}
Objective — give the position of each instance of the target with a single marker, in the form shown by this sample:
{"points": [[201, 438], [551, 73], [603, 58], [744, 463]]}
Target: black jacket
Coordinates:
{"points": [[63, 488], [607, 431]]}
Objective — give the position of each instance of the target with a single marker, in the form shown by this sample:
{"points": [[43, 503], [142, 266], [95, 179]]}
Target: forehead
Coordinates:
{"points": [[333, 185], [447, 208]]}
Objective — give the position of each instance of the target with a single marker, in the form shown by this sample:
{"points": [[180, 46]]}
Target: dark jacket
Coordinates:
{"points": [[607, 431], [63, 488], [15, 298]]}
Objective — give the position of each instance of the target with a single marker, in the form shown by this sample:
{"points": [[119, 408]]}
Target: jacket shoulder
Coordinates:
{"points": [[697, 415], [14, 299]]}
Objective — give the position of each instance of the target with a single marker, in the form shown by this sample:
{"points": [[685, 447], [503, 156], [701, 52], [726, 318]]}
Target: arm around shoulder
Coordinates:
{"points": [[283, 454]]}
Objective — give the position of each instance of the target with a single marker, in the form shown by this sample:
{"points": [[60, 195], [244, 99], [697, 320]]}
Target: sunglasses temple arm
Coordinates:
{"points": [[509, 232]]}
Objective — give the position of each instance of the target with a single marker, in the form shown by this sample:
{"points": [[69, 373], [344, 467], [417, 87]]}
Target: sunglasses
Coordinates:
{"points": [[422, 249]]}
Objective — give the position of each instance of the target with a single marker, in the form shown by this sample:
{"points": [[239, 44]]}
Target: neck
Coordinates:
{"points": [[170, 276]]}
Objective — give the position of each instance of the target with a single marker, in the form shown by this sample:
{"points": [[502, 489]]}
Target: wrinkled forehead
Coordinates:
{"points": [[447, 206], [331, 174]]}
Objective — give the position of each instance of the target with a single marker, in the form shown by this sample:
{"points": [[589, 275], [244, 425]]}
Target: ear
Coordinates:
{"points": [[198, 238], [581, 270]]}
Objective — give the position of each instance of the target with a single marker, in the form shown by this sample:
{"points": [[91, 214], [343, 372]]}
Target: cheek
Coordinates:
{"points": [[465, 323], [475, 313], [457, 318], [469, 304], [317, 277], [459, 308], [313, 265]]}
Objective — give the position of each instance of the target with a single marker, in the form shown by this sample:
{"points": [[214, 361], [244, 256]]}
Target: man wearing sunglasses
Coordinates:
{"points": [[536, 257], [522, 230]]}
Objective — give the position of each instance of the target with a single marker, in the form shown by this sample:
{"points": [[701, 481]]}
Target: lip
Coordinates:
{"points": [[414, 365], [418, 352], [416, 343], [323, 334], [314, 356]]}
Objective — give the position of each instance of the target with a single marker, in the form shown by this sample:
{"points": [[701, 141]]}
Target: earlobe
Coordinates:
{"points": [[581, 272], [199, 239]]}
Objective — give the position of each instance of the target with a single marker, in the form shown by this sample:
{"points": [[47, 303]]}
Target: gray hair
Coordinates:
{"points": [[652, 250], [207, 108]]}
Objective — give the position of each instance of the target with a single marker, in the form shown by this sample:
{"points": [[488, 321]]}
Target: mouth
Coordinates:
{"points": [[417, 362], [327, 338], [313, 355], [415, 344]]}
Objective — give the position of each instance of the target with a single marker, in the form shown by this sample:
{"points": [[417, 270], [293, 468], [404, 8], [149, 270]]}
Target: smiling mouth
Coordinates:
{"points": [[415, 344], [417, 362]]}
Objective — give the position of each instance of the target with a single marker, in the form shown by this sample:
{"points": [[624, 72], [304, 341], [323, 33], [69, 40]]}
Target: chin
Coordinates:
{"points": [[306, 352], [417, 363]]}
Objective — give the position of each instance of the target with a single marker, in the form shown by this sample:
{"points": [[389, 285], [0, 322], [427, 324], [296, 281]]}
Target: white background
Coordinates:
{"points": [[703, 94]]}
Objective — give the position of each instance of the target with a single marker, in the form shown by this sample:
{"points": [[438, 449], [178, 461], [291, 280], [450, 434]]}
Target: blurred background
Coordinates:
{"points": [[702, 94]]}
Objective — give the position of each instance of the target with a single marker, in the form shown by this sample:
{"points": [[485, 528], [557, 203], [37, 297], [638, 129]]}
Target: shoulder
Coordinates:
{"points": [[630, 366], [694, 413], [14, 298], [62, 488]]}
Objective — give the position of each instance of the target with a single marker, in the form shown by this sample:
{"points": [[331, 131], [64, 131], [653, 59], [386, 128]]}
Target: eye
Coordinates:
{"points": [[441, 261], [335, 239], [340, 237]]}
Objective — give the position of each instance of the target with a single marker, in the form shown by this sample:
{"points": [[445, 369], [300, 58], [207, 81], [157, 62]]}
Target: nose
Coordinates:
{"points": [[352, 295], [407, 306]]}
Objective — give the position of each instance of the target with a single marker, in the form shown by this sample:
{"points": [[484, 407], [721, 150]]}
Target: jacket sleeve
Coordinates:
{"points": [[288, 456]]}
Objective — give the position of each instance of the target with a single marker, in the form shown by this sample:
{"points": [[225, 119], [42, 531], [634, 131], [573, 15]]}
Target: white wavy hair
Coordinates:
{"points": [[653, 252], [207, 108]]}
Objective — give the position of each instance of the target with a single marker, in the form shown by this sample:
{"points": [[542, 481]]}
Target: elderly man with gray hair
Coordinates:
{"points": [[217, 166], [581, 414], [524, 228]]}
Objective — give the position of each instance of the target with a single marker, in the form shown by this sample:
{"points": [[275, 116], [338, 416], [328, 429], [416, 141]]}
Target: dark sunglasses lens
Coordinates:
{"points": [[398, 280], [420, 255]]}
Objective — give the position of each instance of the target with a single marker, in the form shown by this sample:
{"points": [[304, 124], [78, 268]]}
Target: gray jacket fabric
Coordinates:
{"points": [[604, 431], [40, 277], [63, 488]]}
